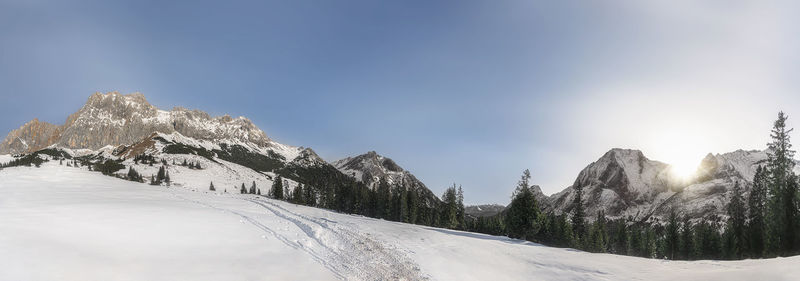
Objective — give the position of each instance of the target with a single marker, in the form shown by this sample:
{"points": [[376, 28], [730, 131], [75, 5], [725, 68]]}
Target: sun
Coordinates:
{"points": [[683, 170]]}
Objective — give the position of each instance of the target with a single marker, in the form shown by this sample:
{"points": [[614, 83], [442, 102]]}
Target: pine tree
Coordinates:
{"points": [[413, 208], [253, 188], [460, 213], [277, 188], [522, 218], [756, 203], [780, 165], [160, 175], [736, 221], [297, 194], [578, 214], [382, 199], [672, 235], [243, 190], [450, 207], [211, 188], [310, 196], [687, 239]]}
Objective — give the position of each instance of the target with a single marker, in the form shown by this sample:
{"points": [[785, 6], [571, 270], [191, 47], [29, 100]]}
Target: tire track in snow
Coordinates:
{"points": [[293, 244], [348, 254], [355, 255]]}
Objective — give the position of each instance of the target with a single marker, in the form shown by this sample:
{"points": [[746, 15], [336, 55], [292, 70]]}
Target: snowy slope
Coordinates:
{"points": [[62, 223]]}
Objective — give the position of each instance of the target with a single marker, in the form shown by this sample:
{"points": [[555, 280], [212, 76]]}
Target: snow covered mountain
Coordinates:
{"points": [[370, 168], [625, 183], [127, 129], [113, 119], [73, 224]]}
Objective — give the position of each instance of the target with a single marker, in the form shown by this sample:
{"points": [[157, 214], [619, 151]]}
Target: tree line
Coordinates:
{"points": [[761, 224]]}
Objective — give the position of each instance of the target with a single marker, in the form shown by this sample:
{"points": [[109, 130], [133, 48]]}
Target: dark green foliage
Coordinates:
{"points": [[522, 219], [297, 195], [756, 203], [133, 175], [578, 215], [450, 210], [256, 161], [672, 236], [277, 188], [179, 148], [687, 240], [108, 167], [735, 229]]}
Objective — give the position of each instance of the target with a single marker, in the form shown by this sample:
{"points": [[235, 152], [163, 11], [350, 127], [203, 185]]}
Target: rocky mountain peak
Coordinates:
{"points": [[115, 119]]}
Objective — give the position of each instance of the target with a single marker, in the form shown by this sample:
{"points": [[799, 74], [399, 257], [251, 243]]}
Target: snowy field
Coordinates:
{"points": [[61, 223]]}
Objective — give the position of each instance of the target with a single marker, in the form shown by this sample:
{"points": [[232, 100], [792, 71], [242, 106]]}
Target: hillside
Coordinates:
{"points": [[72, 224]]}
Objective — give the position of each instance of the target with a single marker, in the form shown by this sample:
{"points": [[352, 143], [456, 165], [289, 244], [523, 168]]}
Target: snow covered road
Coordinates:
{"points": [[61, 223]]}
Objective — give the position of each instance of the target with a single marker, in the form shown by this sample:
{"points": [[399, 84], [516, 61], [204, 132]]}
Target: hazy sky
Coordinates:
{"points": [[471, 92]]}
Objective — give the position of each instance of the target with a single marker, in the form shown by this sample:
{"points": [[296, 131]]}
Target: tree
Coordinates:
{"points": [[578, 214], [133, 175], [687, 239], [672, 235], [309, 196], [297, 194], [736, 223], [253, 188], [756, 203], [780, 159], [450, 208], [277, 188], [382, 199], [522, 218], [211, 188], [243, 190]]}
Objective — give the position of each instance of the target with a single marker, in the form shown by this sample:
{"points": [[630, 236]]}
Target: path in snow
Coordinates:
{"points": [[349, 254]]}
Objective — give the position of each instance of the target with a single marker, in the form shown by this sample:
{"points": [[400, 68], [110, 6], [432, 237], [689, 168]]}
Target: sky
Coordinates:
{"points": [[466, 92]]}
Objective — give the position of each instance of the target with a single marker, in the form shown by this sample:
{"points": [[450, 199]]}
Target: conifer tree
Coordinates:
{"points": [[672, 235], [780, 159], [310, 196], [756, 203], [277, 188], [736, 221], [211, 188], [687, 239], [243, 190], [522, 218], [253, 188], [297, 194], [382, 199], [578, 214]]}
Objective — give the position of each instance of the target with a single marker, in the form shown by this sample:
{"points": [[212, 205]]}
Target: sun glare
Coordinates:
{"points": [[683, 170]]}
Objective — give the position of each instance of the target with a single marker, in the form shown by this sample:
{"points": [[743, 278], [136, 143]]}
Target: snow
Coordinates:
{"points": [[5, 158], [63, 223]]}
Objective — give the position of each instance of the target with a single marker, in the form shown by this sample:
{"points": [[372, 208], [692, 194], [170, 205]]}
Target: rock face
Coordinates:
{"points": [[371, 167], [486, 210], [625, 183], [32, 136], [113, 119]]}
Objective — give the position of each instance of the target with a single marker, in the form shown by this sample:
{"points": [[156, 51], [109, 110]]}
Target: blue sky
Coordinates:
{"points": [[471, 92]]}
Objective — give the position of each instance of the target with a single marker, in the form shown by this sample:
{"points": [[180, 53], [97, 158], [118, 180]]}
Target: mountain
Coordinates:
{"points": [[113, 119], [625, 183], [370, 168], [485, 210], [230, 151]]}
